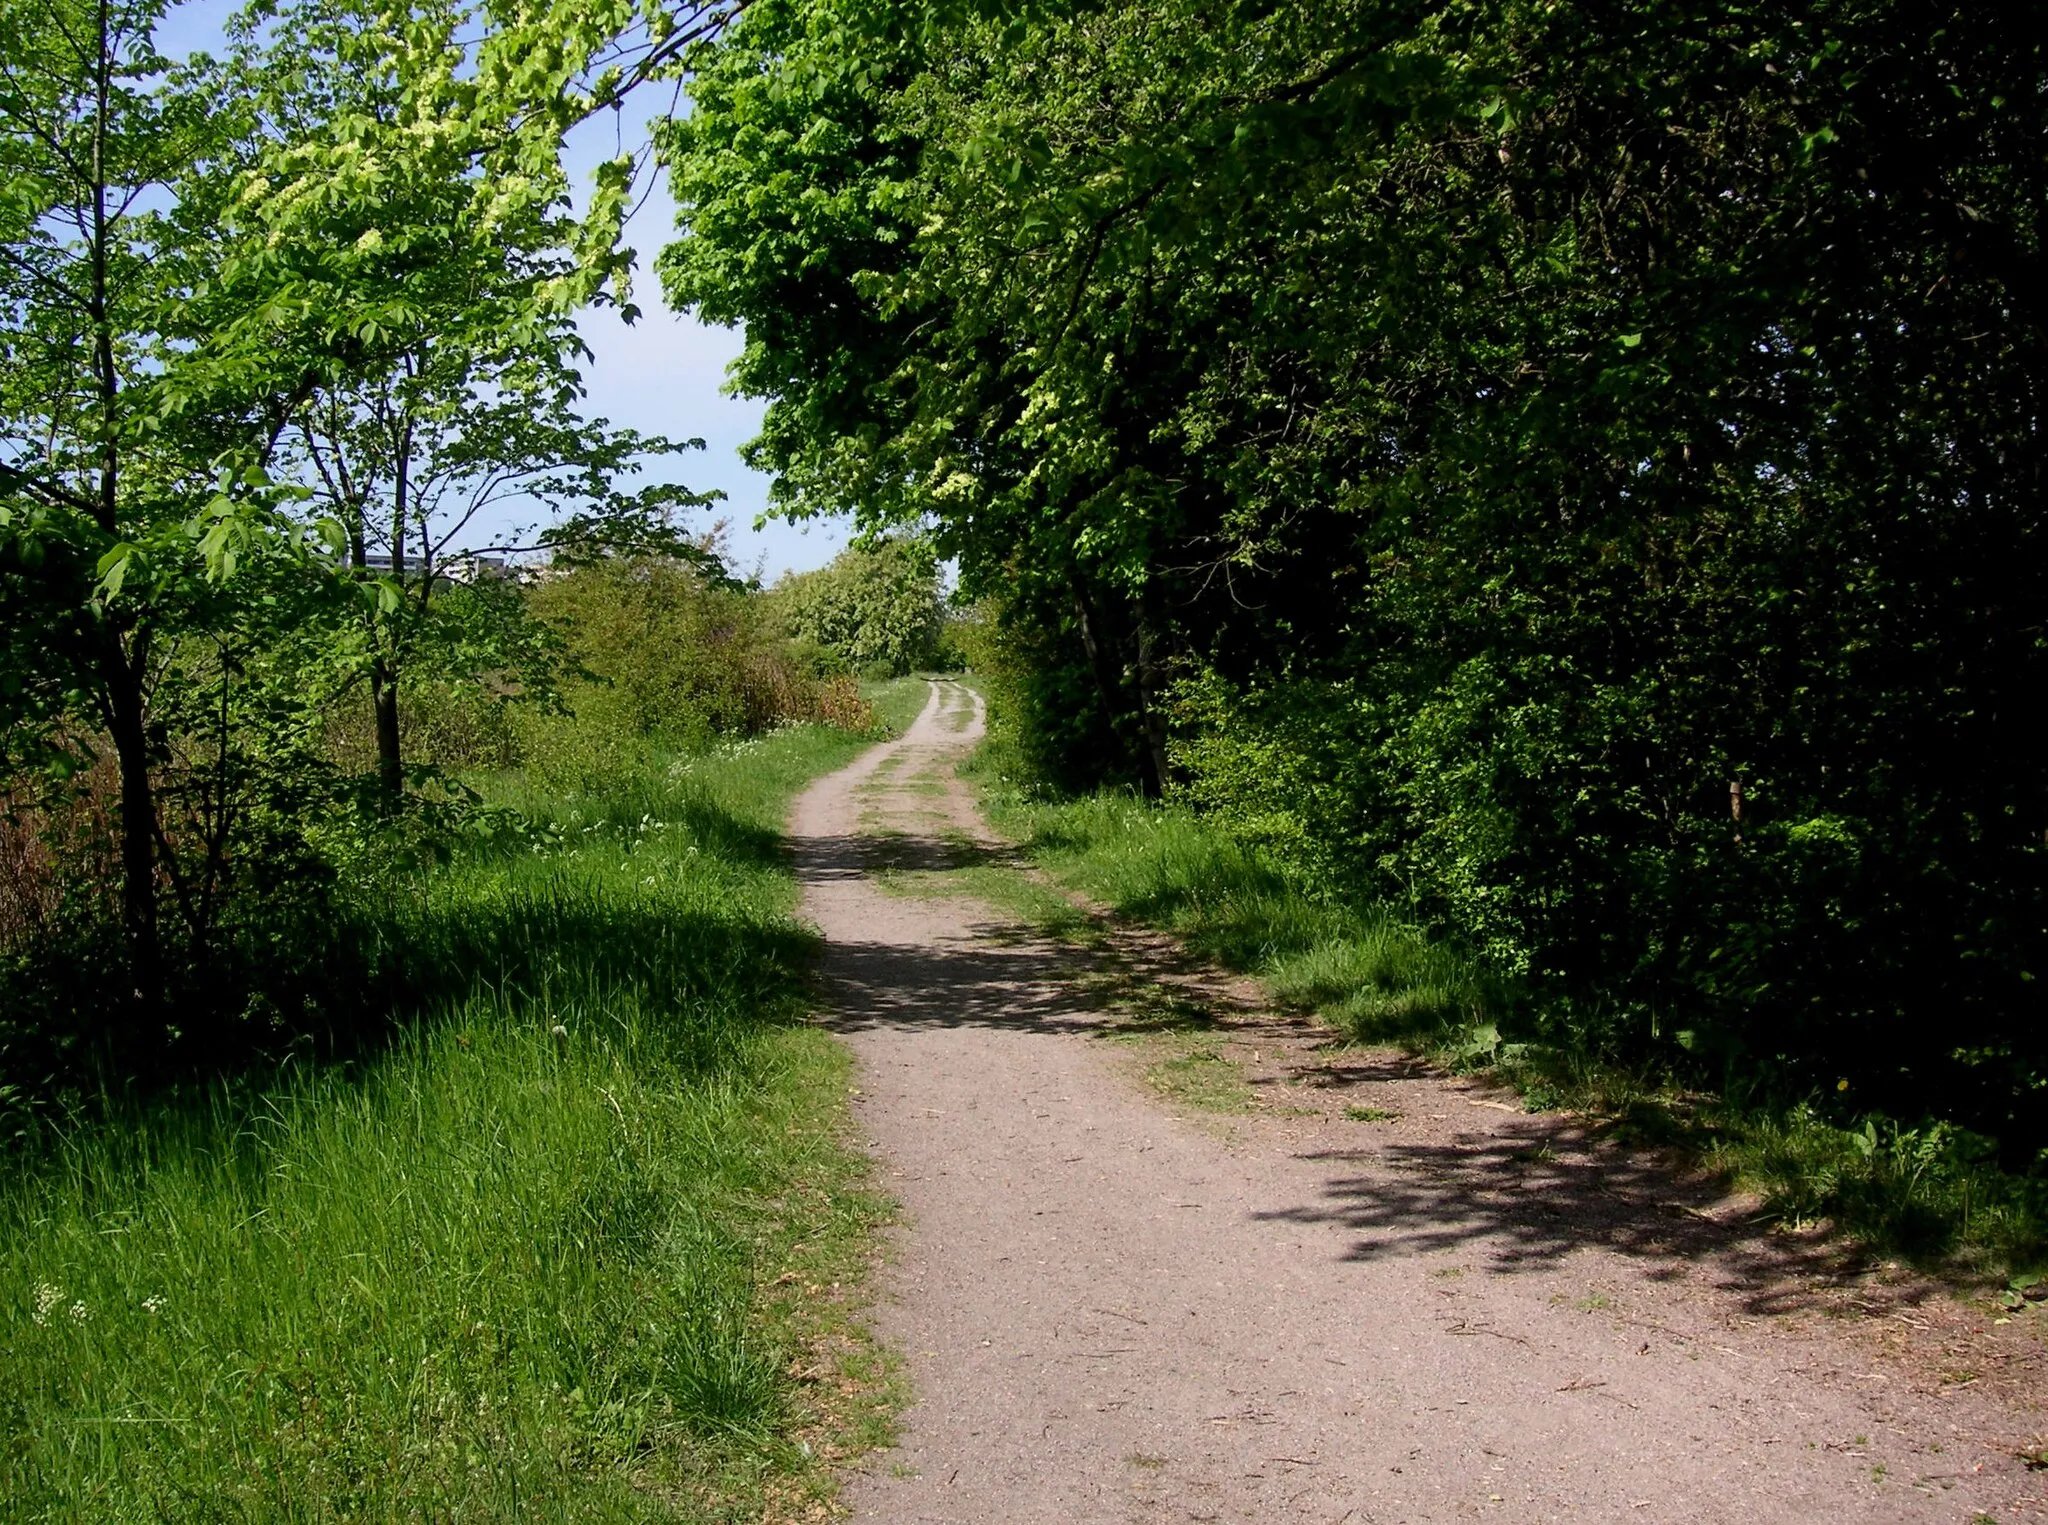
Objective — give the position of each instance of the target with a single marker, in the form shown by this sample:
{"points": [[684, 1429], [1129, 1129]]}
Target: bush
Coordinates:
{"points": [[660, 651], [876, 609], [285, 850]]}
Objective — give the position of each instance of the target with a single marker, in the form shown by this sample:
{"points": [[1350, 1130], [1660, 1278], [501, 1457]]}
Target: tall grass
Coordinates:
{"points": [[1931, 1191], [1361, 969], [510, 1266]]}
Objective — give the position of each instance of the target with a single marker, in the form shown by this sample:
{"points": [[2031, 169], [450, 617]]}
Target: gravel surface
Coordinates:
{"points": [[1115, 1306]]}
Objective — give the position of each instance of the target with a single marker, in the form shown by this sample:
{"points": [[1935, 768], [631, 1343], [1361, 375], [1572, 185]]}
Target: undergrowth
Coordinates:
{"points": [[1930, 1191], [553, 1250]]}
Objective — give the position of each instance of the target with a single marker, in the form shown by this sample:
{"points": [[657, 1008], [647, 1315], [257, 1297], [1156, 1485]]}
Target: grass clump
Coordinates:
{"points": [[896, 702], [525, 1259], [1926, 1191], [1371, 1115]]}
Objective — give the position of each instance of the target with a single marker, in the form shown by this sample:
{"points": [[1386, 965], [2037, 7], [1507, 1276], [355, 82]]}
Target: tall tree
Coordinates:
{"points": [[94, 267]]}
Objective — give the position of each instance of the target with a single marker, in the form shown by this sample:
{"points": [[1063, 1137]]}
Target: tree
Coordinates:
{"points": [[200, 267], [407, 464], [456, 392], [97, 488], [877, 608]]}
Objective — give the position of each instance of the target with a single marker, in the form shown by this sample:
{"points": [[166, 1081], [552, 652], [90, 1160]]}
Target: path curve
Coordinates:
{"points": [[1113, 1313]]}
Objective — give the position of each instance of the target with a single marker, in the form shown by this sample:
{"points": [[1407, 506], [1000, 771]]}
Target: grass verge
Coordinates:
{"points": [[577, 1244], [1930, 1191]]}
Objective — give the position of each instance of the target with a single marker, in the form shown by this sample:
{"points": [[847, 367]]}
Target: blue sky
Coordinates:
{"points": [[662, 374]]}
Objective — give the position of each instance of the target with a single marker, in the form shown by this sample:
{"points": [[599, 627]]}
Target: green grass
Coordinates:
{"points": [[897, 701], [1364, 972], [561, 1250], [1929, 1192]]}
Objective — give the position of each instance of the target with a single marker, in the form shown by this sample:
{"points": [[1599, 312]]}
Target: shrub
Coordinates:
{"points": [[876, 609]]}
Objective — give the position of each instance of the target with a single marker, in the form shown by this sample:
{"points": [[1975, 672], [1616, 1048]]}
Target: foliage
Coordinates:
{"points": [[129, 492], [666, 655], [876, 609], [1495, 441]]}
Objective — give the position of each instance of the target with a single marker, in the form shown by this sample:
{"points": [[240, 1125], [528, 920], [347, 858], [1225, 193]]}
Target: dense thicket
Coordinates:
{"points": [[1574, 469]]}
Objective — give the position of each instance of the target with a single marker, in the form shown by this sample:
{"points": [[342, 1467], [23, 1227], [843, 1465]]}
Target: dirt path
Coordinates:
{"points": [[1115, 1308]]}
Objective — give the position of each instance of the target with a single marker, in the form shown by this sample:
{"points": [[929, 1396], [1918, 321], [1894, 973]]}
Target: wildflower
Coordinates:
{"points": [[47, 1297], [80, 1313], [152, 1305]]}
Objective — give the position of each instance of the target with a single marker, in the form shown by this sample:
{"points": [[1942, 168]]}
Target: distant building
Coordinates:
{"points": [[464, 568]]}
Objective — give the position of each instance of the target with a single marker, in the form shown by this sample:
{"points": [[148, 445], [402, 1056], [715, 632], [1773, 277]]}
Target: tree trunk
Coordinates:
{"points": [[1150, 721], [384, 670], [123, 665], [127, 725], [1109, 686], [384, 696]]}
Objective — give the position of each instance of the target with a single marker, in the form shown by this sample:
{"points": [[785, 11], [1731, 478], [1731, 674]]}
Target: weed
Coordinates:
{"points": [[1371, 1115]]}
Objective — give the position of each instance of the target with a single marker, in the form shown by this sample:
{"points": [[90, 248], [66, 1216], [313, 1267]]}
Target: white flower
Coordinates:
{"points": [[47, 1297], [152, 1304], [80, 1313]]}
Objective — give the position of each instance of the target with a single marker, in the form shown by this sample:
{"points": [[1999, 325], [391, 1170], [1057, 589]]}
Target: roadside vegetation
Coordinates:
{"points": [[1932, 1192], [532, 1206], [534, 1251]]}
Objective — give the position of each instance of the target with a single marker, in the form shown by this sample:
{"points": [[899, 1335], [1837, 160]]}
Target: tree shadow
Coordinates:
{"points": [[1017, 984], [843, 858], [559, 949], [332, 985], [1540, 1188]]}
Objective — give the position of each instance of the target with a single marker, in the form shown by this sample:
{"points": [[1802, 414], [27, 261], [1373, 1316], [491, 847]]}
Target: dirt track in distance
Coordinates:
{"points": [[1115, 1306]]}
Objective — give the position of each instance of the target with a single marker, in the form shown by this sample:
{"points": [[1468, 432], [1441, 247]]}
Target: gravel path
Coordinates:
{"points": [[1116, 1308]]}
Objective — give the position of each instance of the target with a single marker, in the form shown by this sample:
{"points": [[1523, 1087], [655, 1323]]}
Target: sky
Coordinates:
{"points": [[662, 374]]}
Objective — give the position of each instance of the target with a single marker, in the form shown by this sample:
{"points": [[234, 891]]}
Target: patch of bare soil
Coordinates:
{"points": [[1169, 1256]]}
